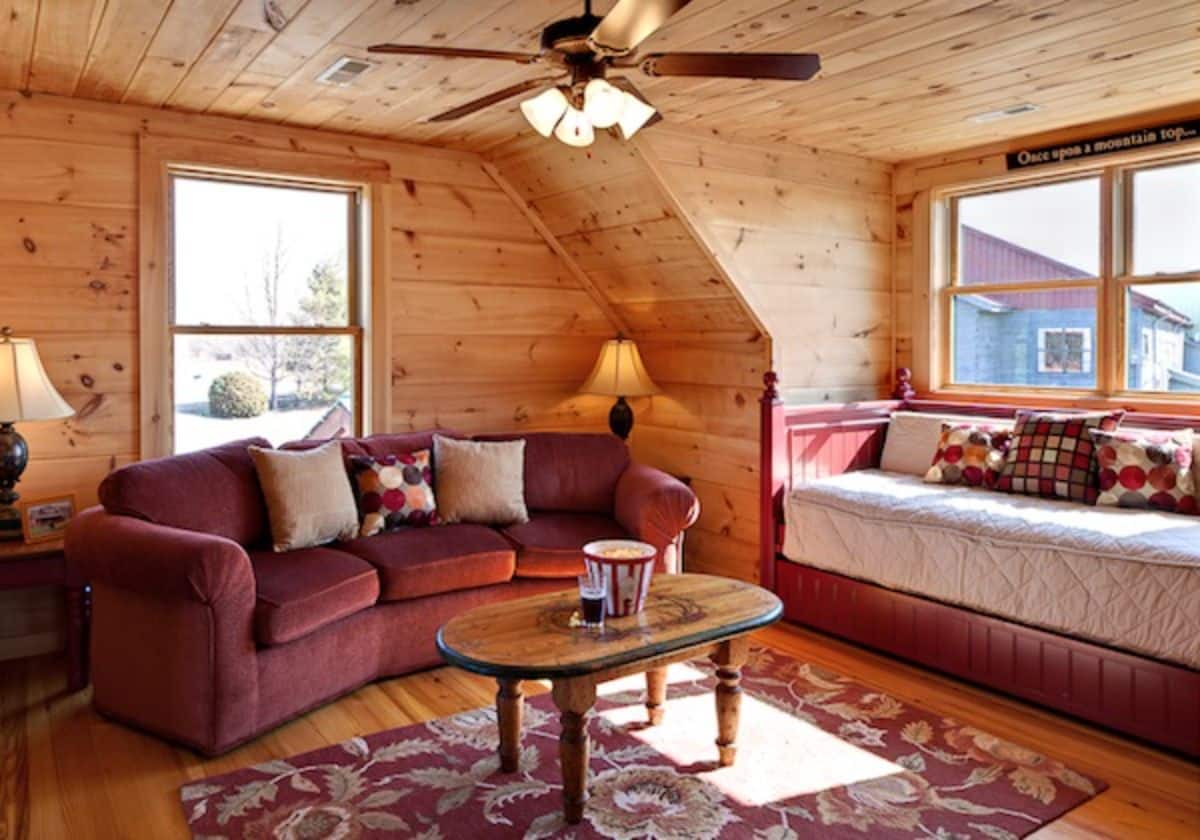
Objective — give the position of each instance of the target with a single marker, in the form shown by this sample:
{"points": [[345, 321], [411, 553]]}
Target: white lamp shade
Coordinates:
{"points": [[634, 115], [575, 129], [544, 110], [619, 372], [25, 389], [603, 103]]}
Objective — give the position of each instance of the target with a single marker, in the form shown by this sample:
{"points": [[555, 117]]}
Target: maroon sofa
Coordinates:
{"points": [[203, 635]]}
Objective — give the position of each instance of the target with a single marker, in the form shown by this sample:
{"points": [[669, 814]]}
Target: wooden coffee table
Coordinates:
{"points": [[532, 639]]}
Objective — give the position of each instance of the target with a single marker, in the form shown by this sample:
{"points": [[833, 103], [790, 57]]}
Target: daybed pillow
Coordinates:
{"points": [[309, 500], [1143, 468], [912, 439], [1051, 455], [480, 481], [969, 453], [394, 490]]}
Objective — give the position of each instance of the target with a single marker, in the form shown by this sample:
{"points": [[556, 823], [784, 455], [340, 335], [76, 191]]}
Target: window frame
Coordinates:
{"points": [[1114, 280], [354, 295], [158, 159]]}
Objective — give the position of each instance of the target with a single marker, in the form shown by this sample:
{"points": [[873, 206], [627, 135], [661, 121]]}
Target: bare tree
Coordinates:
{"points": [[266, 354]]}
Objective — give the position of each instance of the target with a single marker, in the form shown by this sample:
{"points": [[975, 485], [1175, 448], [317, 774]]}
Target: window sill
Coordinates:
{"points": [[1182, 404]]}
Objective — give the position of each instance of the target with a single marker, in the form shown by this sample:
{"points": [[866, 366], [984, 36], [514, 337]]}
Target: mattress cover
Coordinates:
{"points": [[1129, 579]]}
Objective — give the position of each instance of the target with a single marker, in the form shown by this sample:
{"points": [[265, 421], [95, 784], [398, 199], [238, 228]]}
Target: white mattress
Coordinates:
{"points": [[1126, 578]]}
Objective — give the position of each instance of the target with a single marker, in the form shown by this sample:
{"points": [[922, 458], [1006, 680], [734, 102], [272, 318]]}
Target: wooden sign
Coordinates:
{"points": [[1141, 138]]}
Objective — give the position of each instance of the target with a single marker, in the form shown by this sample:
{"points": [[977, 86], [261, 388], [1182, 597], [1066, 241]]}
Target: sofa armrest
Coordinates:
{"points": [[156, 560], [653, 506]]}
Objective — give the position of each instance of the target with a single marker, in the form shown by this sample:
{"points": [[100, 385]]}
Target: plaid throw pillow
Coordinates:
{"points": [[1146, 469], [393, 491], [969, 453], [1052, 455]]}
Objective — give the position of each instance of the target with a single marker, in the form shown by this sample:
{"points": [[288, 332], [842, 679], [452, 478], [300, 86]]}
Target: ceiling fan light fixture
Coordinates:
{"points": [[575, 129], [603, 103], [545, 110], [634, 115]]}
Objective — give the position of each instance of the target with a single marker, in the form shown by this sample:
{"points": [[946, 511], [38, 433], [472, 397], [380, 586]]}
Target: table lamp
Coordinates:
{"points": [[619, 373], [25, 394]]}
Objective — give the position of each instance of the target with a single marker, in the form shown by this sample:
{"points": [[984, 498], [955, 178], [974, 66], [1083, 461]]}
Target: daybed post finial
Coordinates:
{"points": [[904, 390], [771, 390]]}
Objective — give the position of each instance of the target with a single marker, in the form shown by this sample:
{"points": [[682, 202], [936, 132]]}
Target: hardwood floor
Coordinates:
{"points": [[66, 772]]}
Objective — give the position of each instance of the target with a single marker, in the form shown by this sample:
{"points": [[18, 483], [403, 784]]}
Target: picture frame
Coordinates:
{"points": [[43, 520]]}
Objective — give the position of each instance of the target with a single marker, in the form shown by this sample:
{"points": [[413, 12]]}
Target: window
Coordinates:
{"points": [[264, 320], [1066, 350], [1039, 296]]}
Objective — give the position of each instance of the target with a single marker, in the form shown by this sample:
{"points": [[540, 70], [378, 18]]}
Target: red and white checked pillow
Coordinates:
{"points": [[969, 453], [1146, 469], [1051, 455]]}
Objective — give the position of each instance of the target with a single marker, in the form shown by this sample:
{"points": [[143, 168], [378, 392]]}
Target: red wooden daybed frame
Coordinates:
{"points": [[1137, 695]]}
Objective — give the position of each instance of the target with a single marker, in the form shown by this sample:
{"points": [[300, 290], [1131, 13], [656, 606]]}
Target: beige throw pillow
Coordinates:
{"points": [[480, 481], [309, 499]]}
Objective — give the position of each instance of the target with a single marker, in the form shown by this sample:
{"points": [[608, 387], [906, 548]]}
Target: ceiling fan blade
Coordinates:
{"points": [[630, 22], [491, 99], [797, 67], [453, 52]]}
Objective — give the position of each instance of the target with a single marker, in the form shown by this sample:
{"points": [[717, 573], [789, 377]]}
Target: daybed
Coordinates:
{"points": [[204, 635], [1090, 610]]}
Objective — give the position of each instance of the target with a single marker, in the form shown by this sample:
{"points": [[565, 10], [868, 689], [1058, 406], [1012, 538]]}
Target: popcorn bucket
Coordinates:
{"points": [[625, 567]]}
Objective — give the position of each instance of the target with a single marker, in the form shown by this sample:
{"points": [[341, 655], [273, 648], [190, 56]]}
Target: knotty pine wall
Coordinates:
{"points": [[488, 331], [806, 236], [701, 344]]}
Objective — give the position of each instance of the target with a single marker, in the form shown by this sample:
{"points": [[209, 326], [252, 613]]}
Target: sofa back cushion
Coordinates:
{"points": [[570, 472], [378, 446], [214, 491]]}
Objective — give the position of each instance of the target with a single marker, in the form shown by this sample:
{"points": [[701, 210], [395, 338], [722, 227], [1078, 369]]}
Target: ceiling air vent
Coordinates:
{"points": [[344, 71], [1004, 113]]}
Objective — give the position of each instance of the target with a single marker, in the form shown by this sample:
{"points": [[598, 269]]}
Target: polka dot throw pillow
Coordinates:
{"points": [[1146, 469], [393, 491], [971, 454]]}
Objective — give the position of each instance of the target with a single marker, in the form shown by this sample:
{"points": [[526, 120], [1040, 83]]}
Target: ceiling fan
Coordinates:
{"points": [[584, 49]]}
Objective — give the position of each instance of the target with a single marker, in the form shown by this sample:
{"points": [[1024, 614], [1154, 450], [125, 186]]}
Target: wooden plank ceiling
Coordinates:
{"points": [[901, 77]]}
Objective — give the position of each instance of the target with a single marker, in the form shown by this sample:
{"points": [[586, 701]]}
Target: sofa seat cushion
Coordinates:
{"points": [[415, 562], [302, 591], [550, 545]]}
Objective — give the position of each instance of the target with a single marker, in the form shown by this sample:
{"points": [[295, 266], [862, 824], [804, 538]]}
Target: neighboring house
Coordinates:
{"points": [[337, 422], [1047, 338]]}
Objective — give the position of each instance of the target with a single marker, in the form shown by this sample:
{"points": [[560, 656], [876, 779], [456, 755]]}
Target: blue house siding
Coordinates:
{"points": [[1001, 347]]}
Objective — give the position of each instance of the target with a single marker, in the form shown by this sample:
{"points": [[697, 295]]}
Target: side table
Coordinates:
{"points": [[44, 564]]}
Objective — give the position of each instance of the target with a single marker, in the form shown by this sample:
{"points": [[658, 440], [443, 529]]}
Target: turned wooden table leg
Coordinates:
{"points": [[656, 695], [510, 709], [574, 698], [729, 658]]}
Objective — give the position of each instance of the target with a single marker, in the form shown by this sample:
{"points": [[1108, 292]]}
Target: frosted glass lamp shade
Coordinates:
{"points": [[575, 129], [26, 392], [545, 110], [634, 115], [603, 103], [619, 372]]}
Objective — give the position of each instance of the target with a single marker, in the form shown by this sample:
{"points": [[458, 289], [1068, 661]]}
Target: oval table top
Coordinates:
{"points": [[533, 638]]}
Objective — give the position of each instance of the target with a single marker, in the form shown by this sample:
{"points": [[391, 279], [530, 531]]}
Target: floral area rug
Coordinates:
{"points": [[819, 756]]}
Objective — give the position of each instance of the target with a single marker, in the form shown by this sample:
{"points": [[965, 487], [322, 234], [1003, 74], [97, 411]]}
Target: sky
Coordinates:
{"points": [[225, 231], [1062, 221]]}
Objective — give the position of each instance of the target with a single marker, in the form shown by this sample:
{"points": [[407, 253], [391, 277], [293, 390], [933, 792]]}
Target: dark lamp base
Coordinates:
{"points": [[620, 419], [14, 455]]}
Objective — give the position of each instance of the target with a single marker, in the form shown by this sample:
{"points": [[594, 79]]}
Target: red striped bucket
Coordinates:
{"points": [[625, 567]]}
